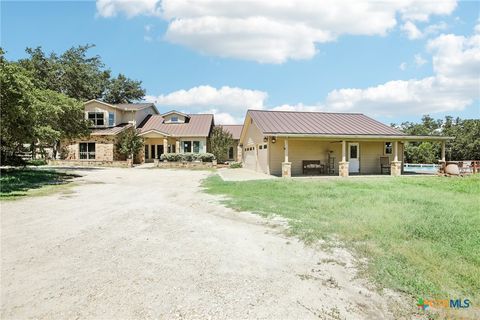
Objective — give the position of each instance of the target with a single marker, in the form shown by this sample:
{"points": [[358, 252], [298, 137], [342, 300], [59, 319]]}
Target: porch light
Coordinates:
{"points": [[274, 140], [265, 139]]}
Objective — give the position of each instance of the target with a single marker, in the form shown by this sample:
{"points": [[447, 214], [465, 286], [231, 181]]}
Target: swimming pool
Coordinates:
{"points": [[421, 167]]}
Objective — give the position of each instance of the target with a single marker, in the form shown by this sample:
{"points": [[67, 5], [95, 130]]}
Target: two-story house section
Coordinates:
{"points": [[172, 131]]}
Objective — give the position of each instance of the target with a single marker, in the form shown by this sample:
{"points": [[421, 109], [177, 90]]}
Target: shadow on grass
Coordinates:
{"points": [[17, 182]]}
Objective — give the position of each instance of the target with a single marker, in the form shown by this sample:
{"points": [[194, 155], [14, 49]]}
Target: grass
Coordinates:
{"points": [[17, 183], [421, 234]]}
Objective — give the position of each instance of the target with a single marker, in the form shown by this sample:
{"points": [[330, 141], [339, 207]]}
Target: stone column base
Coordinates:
{"points": [[396, 168], [343, 168], [442, 165], [155, 162], [130, 163], [286, 169]]}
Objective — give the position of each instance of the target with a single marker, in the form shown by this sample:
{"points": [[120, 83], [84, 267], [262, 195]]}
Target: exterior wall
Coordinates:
{"points": [[141, 114], [104, 148], [299, 150], [95, 106], [370, 153], [168, 118], [253, 138], [235, 147]]}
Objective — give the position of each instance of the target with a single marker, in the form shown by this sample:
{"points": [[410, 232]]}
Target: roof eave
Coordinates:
{"points": [[361, 136]]}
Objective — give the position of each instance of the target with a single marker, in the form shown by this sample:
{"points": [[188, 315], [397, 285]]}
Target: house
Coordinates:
{"points": [[292, 143], [173, 131], [234, 151]]}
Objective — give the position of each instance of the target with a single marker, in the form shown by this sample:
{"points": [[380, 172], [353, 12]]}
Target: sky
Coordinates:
{"points": [[392, 60]]}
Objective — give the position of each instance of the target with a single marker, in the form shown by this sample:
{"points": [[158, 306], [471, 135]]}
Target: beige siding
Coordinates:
{"points": [[141, 114], [299, 150], [253, 138], [96, 106], [370, 153]]}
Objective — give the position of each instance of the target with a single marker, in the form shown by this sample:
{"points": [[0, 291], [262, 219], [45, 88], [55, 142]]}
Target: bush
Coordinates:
{"points": [[37, 162], [235, 165], [187, 157]]}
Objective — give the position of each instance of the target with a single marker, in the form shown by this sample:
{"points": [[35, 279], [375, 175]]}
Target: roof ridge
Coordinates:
{"points": [[291, 111]]}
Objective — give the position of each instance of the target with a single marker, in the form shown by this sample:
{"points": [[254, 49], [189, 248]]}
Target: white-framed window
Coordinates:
{"points": [[111, 119], [388, 148], [196, 146], [87, 150], [97, 118], [187, 146], [174, 119]]}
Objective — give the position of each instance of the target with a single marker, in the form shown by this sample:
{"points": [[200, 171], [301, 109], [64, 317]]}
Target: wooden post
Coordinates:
{"points": [[344, 151], [286, 149]]}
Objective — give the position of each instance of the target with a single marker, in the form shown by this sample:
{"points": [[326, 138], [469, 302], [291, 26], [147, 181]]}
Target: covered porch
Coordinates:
{"points": [[344, 156]]}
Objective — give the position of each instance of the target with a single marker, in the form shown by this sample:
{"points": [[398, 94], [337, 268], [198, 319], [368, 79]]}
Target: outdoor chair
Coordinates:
{"points": [[384, 164]]}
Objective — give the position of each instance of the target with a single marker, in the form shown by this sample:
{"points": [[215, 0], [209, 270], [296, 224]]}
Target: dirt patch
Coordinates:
{"points": [[131, 243]]}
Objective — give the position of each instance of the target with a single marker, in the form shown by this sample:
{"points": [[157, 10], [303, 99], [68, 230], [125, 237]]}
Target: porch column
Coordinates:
{"points": [[343, 165], [395, 165], [286, 166], [442, 162], [177, 146], [165, 145], [443, 151]]}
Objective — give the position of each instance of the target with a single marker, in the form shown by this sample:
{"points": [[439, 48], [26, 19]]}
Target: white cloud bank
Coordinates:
{"points": [[454, 85], [274, 31]]}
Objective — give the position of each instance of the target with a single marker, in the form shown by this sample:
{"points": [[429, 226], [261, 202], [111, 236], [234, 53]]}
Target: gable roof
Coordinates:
{"points": [[175, 112], [198, 126], [234, 129], [126, 106], [318, 123]]}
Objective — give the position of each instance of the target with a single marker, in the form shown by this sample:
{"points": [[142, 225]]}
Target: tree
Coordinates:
{"points": [[80, 76], [123, 90], [129, 143], [220, 141]]}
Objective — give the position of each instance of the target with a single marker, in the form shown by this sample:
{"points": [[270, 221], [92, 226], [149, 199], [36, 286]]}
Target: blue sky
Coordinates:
{"points": [[221, 58]]}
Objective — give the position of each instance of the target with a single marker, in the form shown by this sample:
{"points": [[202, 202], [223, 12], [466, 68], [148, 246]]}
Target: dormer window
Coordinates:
{"points": [[97, 118], [174, 119]]}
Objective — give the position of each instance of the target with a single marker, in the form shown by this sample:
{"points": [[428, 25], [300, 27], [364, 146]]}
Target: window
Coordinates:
{"points": [[388, 148], [87, 150], [111, 119], [353, 152], [260, 147], [196, 146], [171, 148], [96, 118], [264, 146], [146, 151], [230, 153], [174, 119], [187, 146], [152, 151]]}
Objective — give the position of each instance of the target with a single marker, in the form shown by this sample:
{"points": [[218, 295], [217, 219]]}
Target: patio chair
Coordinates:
{"points": [[384, 164]]}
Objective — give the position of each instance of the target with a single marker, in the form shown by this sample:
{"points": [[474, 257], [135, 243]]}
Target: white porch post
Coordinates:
{"points": [[286, 166], [443, 151], [395, 165], [177, 146], [165, 145], [343, 165]]}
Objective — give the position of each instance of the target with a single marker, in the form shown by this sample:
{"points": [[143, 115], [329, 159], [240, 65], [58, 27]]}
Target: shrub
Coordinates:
{"points": [[37, 162], [172, 157], [235, 165], [187, 157]]}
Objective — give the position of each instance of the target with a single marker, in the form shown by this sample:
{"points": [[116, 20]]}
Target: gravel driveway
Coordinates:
{"points": [[147, 243]]}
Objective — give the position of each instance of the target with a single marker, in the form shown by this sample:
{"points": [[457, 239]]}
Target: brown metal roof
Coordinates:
{"points": [[199, 125], [294, 122], [234, 129], [110, 131], [133, 106]]}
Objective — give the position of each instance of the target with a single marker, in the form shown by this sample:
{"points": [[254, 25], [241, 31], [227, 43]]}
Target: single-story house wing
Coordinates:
{"points": [[295, 143]]}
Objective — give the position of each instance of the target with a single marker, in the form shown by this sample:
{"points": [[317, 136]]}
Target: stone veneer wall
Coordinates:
{"points": [[104, 148]]}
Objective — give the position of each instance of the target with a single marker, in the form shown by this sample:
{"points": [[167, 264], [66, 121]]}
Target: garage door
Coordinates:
{"points": [[249, 159], [262, 158]]}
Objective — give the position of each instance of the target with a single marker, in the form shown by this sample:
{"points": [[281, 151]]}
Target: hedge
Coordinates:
{"points": [[187, 157]]}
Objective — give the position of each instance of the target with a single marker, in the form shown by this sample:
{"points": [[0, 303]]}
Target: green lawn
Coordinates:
{"points": [[421, 234], [15, 183]]}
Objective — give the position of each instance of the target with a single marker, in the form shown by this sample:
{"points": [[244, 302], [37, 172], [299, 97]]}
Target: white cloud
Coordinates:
{"points": [[454, 85], [411, 30], [229, 104], [273, 31], [403, 66], [419, 60], [131, 8]]}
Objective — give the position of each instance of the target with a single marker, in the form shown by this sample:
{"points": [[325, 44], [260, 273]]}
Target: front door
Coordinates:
{"points": [[354, 158]]}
